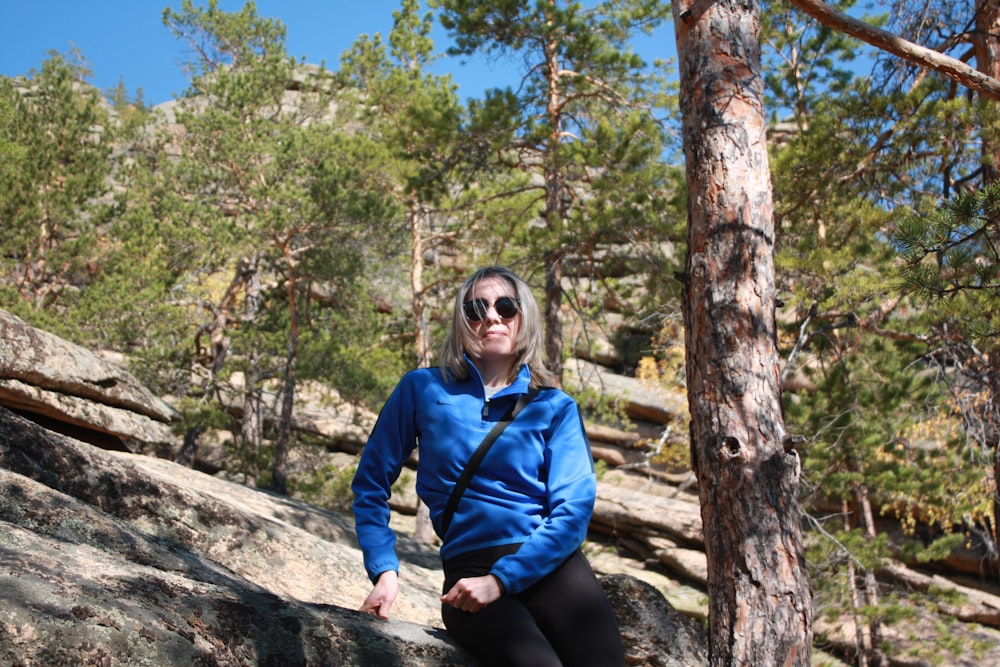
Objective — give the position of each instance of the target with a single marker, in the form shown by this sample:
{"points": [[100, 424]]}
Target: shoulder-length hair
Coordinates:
{"points": [[462, 341]]}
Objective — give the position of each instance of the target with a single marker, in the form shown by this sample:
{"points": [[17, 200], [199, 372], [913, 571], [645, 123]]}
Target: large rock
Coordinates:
{"points": [[77, 391], [116, 558], [290, 548], [73, 604], [646, 401], [654, 633]]}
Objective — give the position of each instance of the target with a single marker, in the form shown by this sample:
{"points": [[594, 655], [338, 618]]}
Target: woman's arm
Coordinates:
{"points": [[389, 445]]}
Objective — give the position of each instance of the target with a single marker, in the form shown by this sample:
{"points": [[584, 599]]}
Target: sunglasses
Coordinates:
{"points": [[476, 309]]}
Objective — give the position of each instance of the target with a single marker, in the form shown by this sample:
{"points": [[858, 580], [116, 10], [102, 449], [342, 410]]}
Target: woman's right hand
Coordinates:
{"points": [[383, 595], [472, 594]]}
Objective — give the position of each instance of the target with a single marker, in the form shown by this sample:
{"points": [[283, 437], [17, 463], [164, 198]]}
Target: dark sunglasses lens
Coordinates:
{"points": [[475, 310], [506, 307]]}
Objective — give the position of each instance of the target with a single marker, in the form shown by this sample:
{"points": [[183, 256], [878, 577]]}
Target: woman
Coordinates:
{"points": [[518, 590]]}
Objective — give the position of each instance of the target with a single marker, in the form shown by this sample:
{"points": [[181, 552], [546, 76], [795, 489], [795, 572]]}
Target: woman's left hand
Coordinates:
{"points": [[473, 593]]}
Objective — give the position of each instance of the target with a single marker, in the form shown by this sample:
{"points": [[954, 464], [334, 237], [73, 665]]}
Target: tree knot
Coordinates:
{"points": [[731, 447]]}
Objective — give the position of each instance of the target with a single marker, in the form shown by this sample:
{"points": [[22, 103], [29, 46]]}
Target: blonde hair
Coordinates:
{"points": [[462, 341]]}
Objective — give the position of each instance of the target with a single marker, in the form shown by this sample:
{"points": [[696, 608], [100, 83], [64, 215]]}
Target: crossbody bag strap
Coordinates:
{"points": [[478, 456]]}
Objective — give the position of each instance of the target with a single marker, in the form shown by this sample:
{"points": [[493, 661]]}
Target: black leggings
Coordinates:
{"points": [[564, 620]]}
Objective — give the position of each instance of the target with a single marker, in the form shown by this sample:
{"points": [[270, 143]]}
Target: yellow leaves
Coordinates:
{"points": [[666, 365], [935, 483], [647, 369]]}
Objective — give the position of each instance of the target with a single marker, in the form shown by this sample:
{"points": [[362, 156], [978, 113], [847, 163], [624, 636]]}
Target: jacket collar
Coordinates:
{"points": [[520, 385]]}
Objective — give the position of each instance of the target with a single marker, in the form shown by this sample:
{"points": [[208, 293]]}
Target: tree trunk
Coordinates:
{"points": [[862, 637], [279, 479], [251, 429], [424, 530], [760, 608], [872, 651], [421, 348], [555, 186], [553, 315], [987, 48], [188, 454], [251, 422]]}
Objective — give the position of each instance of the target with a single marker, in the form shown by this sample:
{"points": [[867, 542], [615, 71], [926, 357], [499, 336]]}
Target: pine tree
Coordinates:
{"points": [[853, 163], [586, 124], [952, 269], [278, 198], [57, 136], [417, 119]]}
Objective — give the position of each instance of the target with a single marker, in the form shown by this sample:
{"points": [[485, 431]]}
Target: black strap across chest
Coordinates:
{"points": [[479, 455]]}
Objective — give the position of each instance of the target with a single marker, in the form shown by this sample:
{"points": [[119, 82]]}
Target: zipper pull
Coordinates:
{"points": [[486, 408]]}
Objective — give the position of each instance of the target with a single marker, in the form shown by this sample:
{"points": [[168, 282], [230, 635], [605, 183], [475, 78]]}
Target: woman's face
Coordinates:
{"points": [[497, 334]]}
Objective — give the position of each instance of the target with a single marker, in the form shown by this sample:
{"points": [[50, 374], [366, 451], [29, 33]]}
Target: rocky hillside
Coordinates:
{"points": [[114, 554], [111, 557]]}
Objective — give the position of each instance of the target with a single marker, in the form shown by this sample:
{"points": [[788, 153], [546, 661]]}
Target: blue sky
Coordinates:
{"points": [[126, 39]]}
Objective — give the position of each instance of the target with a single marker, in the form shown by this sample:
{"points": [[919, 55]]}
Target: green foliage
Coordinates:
{"points": [[869, 381], [805, 62], [328, 486], [202, 415], [225, 40], [266, 217], [877, 425], [55, 139], [588, 124], [950, 269], [416, 116], [12, 152], [417, 121], [951, 261], [340, 348], [839, 562]]}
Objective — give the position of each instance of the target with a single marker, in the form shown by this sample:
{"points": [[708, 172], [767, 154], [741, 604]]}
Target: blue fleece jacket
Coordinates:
{"points": [[536, 486]]}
